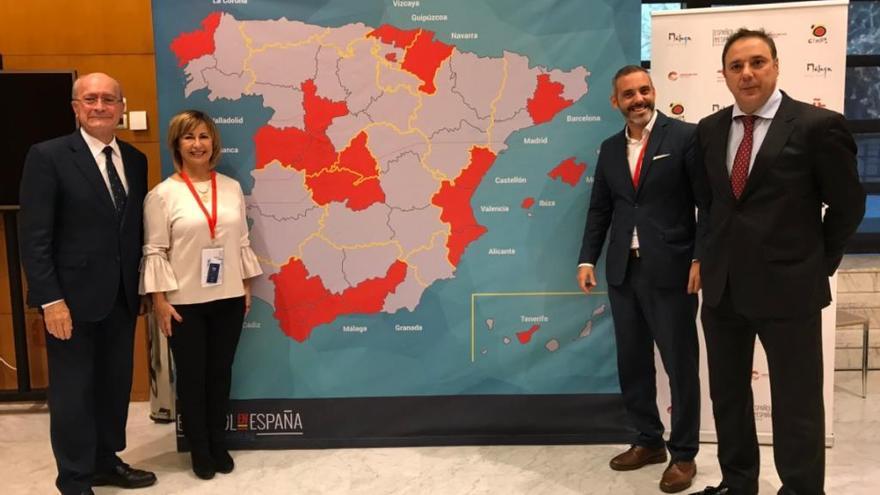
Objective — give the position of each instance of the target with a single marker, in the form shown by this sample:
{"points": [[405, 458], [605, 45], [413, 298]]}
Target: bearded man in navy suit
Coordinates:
{"points": [[650, 192], [81, 238]]}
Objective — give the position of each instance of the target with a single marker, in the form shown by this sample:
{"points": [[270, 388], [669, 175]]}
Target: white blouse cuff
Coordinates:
{"points": [[250, 265], [156, 275]]}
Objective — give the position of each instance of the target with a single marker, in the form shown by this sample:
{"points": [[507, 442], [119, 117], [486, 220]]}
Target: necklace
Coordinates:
{"points": [[203, 193]]}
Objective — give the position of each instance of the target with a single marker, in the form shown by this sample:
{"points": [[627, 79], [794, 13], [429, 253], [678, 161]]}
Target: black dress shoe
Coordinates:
{"points": [[711, 490], [124, 476], [202, 464], [223, 462]]}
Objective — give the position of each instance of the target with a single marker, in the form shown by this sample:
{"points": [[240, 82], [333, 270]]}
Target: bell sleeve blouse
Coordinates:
{"points": [[175, 233]]}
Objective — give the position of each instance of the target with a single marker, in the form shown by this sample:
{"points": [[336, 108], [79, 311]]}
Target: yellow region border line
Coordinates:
{"points": [[475, 295]]}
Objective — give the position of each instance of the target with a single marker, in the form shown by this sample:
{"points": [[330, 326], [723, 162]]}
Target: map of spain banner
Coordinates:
{"points": [[417, 175]]}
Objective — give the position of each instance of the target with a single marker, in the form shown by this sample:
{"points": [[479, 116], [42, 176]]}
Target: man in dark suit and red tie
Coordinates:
{"points": [[81, 238], [647, 186], [772, 163]]}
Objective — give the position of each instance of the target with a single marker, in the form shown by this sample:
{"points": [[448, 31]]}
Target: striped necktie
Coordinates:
{"points": [[116, 187]]}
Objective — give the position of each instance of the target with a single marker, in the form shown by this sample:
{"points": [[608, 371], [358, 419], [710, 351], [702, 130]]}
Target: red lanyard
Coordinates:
{"points": [[638, 171], [212, 218]]}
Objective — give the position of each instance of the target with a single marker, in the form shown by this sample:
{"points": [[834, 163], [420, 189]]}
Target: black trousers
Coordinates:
{"points": [[89, 387], [203, 345], [645, 315], [794, 355]]}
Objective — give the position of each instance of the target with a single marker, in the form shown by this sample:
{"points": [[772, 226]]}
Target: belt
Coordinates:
{"points": [[634, 253]]}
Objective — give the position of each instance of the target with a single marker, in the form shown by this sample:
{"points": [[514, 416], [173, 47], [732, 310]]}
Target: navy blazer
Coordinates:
{"points": [[672, 184], [73, 246], [771, 246]]}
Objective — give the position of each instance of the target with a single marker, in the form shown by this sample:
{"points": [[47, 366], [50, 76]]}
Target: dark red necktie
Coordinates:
{"points": [[739, 173]]}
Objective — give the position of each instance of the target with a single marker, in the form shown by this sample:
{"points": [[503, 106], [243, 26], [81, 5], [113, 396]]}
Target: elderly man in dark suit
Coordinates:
{"points": [[648, 184], [772, 162], [81, 237]]}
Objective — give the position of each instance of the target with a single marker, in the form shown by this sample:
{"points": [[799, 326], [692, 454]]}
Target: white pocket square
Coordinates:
{"points": [[660, 156]]}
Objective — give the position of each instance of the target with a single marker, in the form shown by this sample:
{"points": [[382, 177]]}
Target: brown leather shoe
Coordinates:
{"points": [[678, 476], [636, 457]]}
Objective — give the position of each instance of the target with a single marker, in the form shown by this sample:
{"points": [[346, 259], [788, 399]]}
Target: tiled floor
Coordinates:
{"points": [[27, 467]]}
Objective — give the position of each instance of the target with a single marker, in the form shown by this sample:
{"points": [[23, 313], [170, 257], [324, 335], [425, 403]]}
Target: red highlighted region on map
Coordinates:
{"points": [[525, 336], [302, 302], [423, 54], [547, 100], [568, 171], [390, 35], [320, 112], [358, 158], [424, 58], [528, 202], [311, 150], [454, 199], [189, 46], [345, 187], [354, 180]]}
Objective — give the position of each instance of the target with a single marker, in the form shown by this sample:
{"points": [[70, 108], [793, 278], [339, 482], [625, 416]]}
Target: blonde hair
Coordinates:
{"points": [[183, 123]]}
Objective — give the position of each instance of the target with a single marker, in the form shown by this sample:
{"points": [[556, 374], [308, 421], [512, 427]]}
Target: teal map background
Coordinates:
{"points": [[598, 35]]}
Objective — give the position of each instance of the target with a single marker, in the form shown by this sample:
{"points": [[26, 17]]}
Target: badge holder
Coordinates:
{"points": [[212, 267]]}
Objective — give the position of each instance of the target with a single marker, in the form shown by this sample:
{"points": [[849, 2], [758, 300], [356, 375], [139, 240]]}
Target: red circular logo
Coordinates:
{"points": [[677, 109], [672, 76], [819, 31]]}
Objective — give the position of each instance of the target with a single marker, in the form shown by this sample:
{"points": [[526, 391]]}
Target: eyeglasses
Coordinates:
{"points": [[92, 100]]}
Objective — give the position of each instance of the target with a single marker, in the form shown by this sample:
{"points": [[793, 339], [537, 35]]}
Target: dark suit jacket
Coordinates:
{"points": [[772, 245], [73, 247], [671, 185]]}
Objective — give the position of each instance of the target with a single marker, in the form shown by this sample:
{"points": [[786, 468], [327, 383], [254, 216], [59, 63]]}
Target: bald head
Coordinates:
{"points": [[97, 102], [95, 77]]}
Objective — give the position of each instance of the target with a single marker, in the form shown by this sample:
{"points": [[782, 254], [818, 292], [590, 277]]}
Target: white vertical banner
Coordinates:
{"points": [[686, 65]]}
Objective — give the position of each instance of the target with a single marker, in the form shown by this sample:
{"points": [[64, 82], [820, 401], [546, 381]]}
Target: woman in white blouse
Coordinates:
{"points": [[197, 265]]}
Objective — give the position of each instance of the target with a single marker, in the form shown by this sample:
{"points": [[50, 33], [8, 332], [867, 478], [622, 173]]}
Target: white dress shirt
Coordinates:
{"points": [[765, 116], [633, 150], [97, 148]]}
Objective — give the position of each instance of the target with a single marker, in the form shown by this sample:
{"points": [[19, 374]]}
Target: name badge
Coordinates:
{"points": [[212, 267]]}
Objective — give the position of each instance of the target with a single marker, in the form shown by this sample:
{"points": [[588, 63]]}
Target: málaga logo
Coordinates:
{"points": [[678, 38], [819, 34], [814, 69]]}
